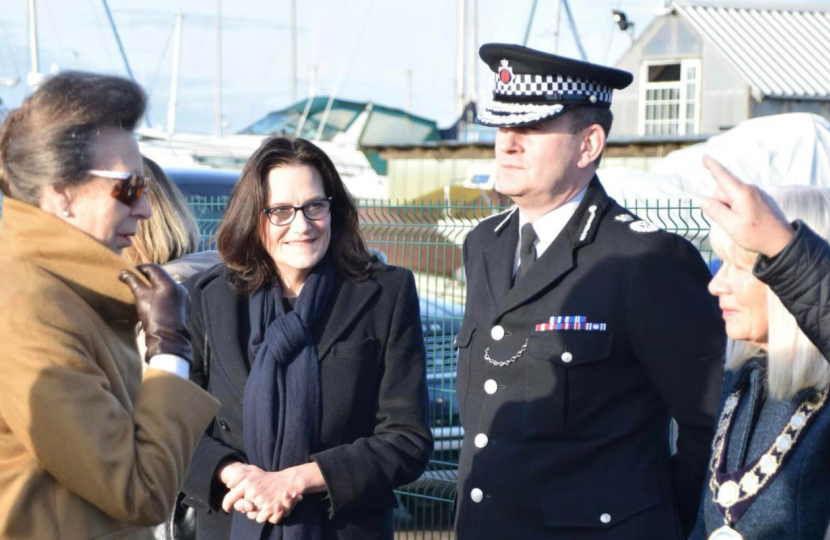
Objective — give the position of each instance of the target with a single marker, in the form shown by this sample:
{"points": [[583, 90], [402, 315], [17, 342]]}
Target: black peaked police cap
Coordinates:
{"points": [[533, 86]]}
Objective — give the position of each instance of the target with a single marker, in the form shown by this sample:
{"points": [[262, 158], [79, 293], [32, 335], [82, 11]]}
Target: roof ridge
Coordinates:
{"points": [[778, 51], [752, 6]]}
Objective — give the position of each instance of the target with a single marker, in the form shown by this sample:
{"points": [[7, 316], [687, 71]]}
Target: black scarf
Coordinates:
{"points": [[281, 407]]}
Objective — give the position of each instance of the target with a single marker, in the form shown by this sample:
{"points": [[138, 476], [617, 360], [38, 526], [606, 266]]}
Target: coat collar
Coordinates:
{"points": [[554, 263], [30, 234]]}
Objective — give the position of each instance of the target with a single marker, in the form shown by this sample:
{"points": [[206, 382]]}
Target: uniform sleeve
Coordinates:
{"points": [[400, 448], [201, 487], [678, 337], [58, 402], [800, 277]]}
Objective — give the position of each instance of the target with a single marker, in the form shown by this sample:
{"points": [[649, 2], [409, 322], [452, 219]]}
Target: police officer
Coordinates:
{"points": [[586, 330]]}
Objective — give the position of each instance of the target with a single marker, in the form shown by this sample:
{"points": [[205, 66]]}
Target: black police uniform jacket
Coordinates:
{"points": [[374, 433], [571, 441]]}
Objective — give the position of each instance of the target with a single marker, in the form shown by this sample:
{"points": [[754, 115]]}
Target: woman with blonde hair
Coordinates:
{"points": [[170, 237], [768, 476]]}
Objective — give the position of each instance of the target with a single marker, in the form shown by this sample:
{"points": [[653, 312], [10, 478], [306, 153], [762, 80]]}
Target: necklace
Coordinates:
{"points": [[733, 497]]}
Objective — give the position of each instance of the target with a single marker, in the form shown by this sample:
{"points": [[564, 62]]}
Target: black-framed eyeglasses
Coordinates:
{"points": [[129, 187], [284, 215]]}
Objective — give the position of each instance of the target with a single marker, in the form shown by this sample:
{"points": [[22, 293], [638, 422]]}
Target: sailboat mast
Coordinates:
{"points": [[558, 26], [530, 22], [460, 58], [33, 46], [293, 51], [473, 87], [118, 39], [218, 106], [34, 77], [574, 31], [172, 104]]}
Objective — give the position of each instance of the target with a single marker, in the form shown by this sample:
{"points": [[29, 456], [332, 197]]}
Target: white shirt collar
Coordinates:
{"points": [[549, 226]]}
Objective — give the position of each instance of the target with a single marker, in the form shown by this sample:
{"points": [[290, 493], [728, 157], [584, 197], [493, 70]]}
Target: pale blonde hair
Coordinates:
{"points": [[794, 363], [172, 231]]}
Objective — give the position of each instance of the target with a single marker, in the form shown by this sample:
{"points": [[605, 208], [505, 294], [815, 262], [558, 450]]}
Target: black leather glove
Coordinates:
{"points": [[162, 310]]}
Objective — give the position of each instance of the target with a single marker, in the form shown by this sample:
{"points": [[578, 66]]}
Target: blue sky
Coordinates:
{"points": [[383, 38]]}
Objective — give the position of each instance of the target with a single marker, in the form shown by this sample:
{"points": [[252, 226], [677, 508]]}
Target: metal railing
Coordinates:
{"points": [[427, 238]]}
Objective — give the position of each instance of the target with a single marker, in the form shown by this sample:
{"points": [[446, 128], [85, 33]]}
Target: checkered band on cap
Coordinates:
{"points": [[558, 87]]}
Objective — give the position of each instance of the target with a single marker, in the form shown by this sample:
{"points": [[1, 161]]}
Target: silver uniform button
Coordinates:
{"points": [[605, 518], [491, 386], [567, 357], [481, 440], [477, 495], [497, 332]]}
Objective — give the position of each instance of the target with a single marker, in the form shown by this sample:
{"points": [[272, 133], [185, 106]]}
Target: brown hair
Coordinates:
{"points": [[172, 231], [47, 140], [582, 116], [239, 237]]}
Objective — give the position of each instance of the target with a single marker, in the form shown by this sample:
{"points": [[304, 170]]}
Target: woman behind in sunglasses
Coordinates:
{"points": [[89, 446], [316, 352]]}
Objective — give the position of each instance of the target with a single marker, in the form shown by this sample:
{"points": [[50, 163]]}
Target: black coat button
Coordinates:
{"points": [[224, 425]]}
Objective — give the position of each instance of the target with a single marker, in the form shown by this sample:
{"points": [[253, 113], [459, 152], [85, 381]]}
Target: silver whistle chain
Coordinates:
{"points": [[503, 363]]}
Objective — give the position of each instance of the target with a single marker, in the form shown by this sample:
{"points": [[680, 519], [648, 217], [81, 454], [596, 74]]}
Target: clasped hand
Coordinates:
{"points": [[262, 496]]}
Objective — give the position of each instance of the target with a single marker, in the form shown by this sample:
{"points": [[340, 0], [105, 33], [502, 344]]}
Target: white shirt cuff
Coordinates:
{"points": [[171, 363]]}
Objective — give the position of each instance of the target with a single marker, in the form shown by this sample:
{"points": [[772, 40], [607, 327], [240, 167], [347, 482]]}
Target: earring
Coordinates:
{"points": [[65, 212]]}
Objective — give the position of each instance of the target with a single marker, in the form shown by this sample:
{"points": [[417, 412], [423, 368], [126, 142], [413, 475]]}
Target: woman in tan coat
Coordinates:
{"points": [[89, 446]]}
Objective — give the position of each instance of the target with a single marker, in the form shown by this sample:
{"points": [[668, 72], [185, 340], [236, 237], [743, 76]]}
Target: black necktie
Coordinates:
{"points": [[527, 253]]}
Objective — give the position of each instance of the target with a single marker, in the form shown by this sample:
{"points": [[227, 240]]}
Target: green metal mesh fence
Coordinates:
{"points": [[427, 238]]}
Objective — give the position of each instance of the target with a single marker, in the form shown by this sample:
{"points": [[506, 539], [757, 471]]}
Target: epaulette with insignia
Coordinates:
{"points": [[643, 226]]}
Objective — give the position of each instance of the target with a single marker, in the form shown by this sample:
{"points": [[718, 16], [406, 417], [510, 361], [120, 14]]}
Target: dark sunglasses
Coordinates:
{"points": [[129, 187], [313, 210]]}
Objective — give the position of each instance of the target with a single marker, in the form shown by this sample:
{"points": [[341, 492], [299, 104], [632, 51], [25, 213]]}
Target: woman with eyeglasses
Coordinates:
{"points": [[90, 447], [316, 352]]}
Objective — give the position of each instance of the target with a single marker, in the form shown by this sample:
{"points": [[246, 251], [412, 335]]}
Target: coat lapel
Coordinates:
{"points": [[349, 302], [498, 258], [224, 313], [558, 259], [554, 263]]}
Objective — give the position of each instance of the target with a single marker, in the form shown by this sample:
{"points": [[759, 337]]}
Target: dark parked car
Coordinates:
{"points": [[440, 321], [207, 192], [204, 183]]}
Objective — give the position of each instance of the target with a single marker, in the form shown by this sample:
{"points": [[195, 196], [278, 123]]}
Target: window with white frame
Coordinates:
{"points": [[669, 99]]}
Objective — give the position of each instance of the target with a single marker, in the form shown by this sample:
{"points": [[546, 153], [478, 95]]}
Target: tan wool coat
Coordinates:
{"points": [[90, 448]]}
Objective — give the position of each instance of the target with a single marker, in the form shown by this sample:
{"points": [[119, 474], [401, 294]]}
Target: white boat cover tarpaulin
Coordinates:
{"points": [[786, 149]]}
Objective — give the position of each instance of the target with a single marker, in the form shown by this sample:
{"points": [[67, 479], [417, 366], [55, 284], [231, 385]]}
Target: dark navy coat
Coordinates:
{"points": [[796, 504], [571, 441]]}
